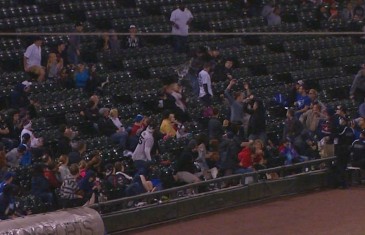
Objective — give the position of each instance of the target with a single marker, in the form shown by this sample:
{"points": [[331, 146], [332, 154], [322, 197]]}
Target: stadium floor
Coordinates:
{"points": [[329, 212]]}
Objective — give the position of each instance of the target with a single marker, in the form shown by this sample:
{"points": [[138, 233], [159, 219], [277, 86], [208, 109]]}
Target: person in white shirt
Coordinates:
{"points": [[142, 154], [33, 58], [34, 142], [180, 20], [205, 85]]}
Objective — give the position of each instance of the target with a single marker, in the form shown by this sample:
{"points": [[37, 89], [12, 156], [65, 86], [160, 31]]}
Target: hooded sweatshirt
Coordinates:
{"points": [[145, 143]]}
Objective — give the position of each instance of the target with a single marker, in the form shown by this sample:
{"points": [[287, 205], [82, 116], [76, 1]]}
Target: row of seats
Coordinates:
{"points": [[29, 21], [316, 73], [77, 6], [9, 3], [153, 61], [200, 7], [319, 43], [236, 23], [338, 52], [243, 51], [139, 22], [11, 43], [153, 3], [221, 44], [113, 13], [19, 11]]}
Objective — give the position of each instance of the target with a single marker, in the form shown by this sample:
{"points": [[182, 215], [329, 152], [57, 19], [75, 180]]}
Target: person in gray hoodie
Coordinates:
{"points": [[235, 102]]}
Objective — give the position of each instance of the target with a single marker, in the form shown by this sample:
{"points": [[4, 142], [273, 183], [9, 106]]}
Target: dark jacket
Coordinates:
{"points": [[257, 122], [106, 126], [185, 162]]}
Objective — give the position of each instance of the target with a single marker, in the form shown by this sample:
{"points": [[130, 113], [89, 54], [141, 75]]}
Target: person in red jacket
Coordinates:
{"points": [[245, 158], [251, 158]]}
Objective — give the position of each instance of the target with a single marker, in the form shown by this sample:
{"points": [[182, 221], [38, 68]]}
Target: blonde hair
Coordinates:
{"points": [[113, 113]]}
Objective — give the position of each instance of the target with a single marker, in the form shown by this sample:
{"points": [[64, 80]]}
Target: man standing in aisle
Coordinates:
{"points": [[180, 20], [73, 50]]}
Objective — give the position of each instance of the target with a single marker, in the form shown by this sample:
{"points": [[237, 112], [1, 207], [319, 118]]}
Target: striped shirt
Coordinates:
{"points": [[69, 188]]}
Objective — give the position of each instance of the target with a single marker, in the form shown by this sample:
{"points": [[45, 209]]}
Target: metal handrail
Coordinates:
{"points": [[192, 190]]}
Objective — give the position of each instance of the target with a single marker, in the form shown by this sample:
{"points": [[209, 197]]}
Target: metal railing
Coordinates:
{"points": [[129, 204]]}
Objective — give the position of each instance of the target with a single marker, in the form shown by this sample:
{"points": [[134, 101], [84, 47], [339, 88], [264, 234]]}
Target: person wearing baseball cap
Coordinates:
{"points": [[133, 41]]}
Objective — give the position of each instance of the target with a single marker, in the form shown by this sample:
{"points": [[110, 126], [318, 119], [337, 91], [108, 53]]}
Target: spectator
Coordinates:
{"points": [[274, 17], [142, 154], [114, 42], [236, 103], [205, 86], [176, 102], [15, 126], [185, 168], [257, 122], [50, 172], [311, 118], [357, 90], [26, 158], [119, 170], [115, 183], [8, 180], [33, 59], [138, 125], [91, 112], [267, 9], [180, 20], [291, 155], [40, 186], [27, 129], [61, 54], [87, 185], [53, 67], [7, 203], [103, 43], [108, 128], [64, 141], [313, 96], [4, 133], [302, 101], [245, 158], [133, 41], [196, 64], [215, 127], [70, 192], [63, 167], [358, 152], [139, 185], [215, 58], [224, 72], [358, 12], [74, 45], [13, 157], [347, 13], [169, 124], [95, 162], [82, 76], [293, 128], [343, 138], [77, 154], [19, 96], [113, 115]]}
